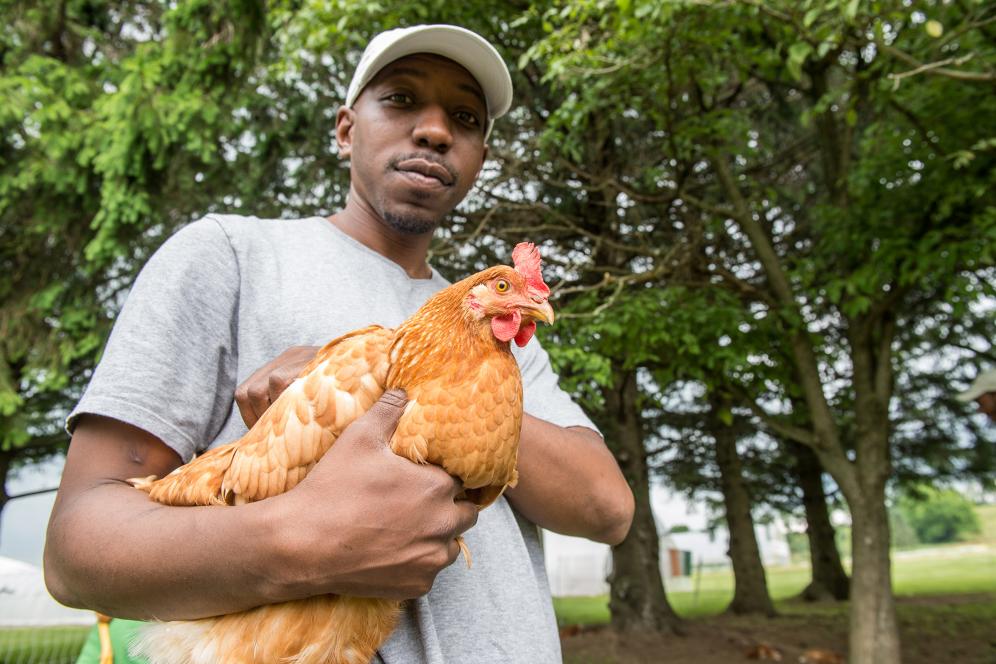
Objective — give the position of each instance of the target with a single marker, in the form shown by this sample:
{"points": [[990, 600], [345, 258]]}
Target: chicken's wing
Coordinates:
{"points": [[343, 381]]}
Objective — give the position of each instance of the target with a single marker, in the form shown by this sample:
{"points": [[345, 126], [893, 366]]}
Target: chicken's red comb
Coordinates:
{"points": [[526, 258]]}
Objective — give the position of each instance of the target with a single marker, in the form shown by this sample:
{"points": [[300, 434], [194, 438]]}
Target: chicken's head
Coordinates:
{"points": [[512, 299]]}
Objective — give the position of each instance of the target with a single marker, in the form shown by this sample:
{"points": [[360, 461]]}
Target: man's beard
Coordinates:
{"points": [[410, 224]]}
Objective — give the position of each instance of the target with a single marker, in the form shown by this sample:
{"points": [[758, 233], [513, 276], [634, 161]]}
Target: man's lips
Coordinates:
{"points": [[427, 169]]}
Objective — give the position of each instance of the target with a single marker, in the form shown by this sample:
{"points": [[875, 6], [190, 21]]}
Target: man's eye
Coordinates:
{"points": [[400, 98], [468, 117]]}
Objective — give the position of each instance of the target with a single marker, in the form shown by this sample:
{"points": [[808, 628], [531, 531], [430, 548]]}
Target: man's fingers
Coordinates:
{"points": [[276, 384], [259, 401], [453, 549], [467, 513], [245, 407], [265, 384]]}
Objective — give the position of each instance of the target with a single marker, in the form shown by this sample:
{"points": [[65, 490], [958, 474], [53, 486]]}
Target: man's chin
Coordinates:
{"points": [[410, 224]]}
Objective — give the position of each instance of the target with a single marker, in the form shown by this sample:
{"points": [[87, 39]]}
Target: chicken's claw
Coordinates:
{"points": [[142, 483], [464, 549]]}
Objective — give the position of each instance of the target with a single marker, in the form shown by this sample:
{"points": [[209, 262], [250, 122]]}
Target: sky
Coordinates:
{"points": [[22, 526]]}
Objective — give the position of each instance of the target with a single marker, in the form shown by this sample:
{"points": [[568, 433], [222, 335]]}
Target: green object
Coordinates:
{"points": [[938, 516], [122, 632]]}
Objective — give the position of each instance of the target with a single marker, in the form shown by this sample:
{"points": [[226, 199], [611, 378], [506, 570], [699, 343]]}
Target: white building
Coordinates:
{"points": [[578, 567], [25, 602]]}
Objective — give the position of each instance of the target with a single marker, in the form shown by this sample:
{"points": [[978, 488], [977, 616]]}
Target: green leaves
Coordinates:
{"points": [[104, 134], [872, 198], [797, 54]]}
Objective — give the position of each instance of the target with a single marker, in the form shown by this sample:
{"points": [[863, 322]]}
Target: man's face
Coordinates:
{"points": [[987, 405], [415, 140]]}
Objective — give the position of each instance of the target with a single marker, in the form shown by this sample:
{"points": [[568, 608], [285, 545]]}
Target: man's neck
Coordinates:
{"points": [[408, 251]]}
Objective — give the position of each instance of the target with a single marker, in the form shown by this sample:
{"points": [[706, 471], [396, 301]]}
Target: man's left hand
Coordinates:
{"points": [[263, 387]]}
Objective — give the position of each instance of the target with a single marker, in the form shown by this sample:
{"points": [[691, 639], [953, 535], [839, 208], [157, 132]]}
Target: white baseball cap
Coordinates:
{"points": [[984, 382], [460, 45]]}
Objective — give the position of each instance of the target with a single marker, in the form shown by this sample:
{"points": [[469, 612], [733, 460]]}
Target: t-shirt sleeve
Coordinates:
{"points": [[170, 364], [542, 396]]}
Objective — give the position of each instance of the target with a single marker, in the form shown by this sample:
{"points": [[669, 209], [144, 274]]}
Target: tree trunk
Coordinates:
{"points": [[829, 578], [874, 634], [750, 594], [636, 599]]}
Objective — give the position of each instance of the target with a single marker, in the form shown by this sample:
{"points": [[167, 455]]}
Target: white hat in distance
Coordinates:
{"points": [[984, 382], [460, 45]]}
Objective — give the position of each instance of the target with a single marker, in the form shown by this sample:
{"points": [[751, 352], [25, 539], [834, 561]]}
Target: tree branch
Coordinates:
{"points": [[36, 492], [779, 428], [987, 355], [937, 68], [824, 427]]}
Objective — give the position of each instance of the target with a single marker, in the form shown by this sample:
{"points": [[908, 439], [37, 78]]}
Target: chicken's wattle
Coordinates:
{"points": [[510, 326], [506, 327]]}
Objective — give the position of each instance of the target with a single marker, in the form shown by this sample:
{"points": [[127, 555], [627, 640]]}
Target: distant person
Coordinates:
{"points": [[983, 392]]}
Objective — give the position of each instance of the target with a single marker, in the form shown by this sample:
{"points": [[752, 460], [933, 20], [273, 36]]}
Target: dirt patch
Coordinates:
{"points": [[956, 629]]}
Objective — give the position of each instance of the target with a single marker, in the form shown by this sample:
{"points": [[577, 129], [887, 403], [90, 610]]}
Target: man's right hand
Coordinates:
{"points": [[367, 522]]}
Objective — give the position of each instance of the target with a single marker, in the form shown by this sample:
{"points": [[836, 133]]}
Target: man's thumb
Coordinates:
{"points": [[382, 418]]}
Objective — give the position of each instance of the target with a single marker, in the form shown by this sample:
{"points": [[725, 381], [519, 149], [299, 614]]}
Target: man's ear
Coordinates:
{"points": [[345, 119]]}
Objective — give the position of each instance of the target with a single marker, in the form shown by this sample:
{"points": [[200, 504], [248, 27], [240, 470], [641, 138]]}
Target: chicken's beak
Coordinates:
{"points": [[541, 311]]}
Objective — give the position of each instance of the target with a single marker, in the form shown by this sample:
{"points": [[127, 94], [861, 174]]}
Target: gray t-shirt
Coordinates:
{"points": [[227, 294]]}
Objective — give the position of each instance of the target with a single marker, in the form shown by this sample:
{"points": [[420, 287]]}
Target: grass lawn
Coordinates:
{"points": [[987, 520], [41, 645], [950, 569], [933, 630], [946, 606]]}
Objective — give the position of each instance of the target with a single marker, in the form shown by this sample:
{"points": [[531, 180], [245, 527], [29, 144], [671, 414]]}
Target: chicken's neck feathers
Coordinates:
{"points": [[440, 338]]}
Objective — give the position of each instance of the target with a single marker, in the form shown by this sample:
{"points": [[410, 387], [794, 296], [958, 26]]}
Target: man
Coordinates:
{"points": [[224, 296], [983, 392]]}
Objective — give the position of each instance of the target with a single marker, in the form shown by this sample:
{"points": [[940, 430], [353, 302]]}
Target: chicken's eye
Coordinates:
{"points": [[502, 286]]}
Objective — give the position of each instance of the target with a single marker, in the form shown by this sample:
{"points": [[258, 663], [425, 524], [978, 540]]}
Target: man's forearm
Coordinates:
{"points": [[116, 551], [570, 483]]}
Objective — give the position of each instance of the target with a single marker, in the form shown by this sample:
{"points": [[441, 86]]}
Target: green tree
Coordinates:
{"points": [[837, 192], [113, 116], [938, 515]]}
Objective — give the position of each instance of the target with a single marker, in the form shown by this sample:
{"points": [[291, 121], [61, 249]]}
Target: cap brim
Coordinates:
{"points": [[971, 394], [983, 383]]}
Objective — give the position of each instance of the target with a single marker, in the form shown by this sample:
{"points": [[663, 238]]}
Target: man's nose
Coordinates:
{"points": [[432, 129]]}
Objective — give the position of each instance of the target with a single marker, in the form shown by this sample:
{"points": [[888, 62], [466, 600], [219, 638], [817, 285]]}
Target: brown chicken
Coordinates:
{"points": [[765, 651], [820, 656], [464, 413]]}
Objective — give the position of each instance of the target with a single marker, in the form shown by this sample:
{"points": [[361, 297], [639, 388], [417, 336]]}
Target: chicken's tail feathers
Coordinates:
{"points": [[181, 642], [143, 483]]}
